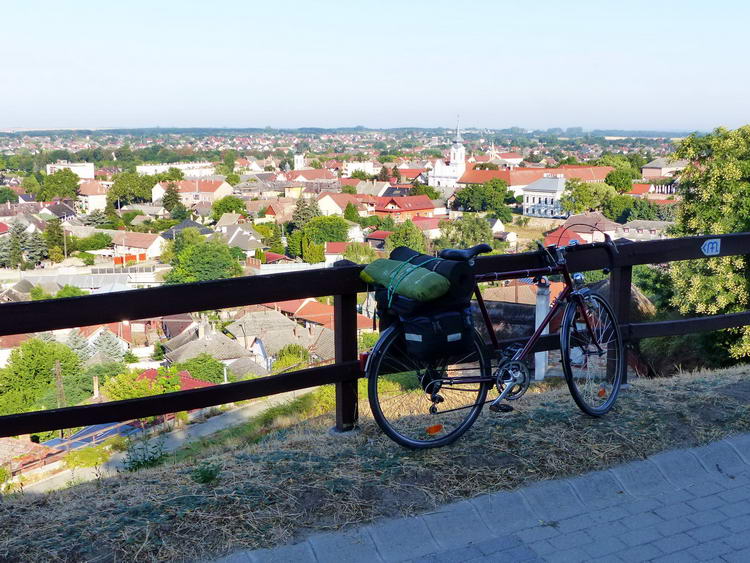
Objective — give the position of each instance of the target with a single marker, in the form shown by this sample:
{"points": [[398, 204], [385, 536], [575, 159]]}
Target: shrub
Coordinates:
{"points": [[142, 455], [87, 457], [206, 473], [4, 475]]}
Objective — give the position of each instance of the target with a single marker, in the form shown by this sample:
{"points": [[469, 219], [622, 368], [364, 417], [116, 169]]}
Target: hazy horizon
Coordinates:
{"points": [[667, 66]]}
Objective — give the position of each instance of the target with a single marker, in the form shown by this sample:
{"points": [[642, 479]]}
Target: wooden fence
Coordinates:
{"points": [[343, 283]]}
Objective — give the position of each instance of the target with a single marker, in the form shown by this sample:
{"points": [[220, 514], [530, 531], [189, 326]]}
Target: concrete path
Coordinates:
{"points": [[170, 441], [682, 505]]}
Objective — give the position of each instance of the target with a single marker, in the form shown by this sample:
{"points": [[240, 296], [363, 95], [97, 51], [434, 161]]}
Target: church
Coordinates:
{"points": [[444, 176]]}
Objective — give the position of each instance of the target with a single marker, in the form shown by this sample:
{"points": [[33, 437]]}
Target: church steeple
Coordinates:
{"points": [[458, 140], [458, 152]]}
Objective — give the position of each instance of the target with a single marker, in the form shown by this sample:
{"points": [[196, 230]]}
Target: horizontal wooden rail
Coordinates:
{"points": [[72, 417]]}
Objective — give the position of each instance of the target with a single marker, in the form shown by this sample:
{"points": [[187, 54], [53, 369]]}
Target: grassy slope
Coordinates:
{"points": [[279, 485]]}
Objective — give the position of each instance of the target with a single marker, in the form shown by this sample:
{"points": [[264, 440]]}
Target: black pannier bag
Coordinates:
{"points": [[440, 335], [433, 329]]}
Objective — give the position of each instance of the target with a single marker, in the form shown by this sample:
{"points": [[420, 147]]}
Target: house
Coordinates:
{"points": [[84, 170], [403, 208], [663, 167], [308, 175], [496, 225], [311, 311], [653, 191], [642, 230], [372, 187], [244, 237], [194, 191], [334, 251], [377, 239], [120, 330], [411, 175], [263, 333], [172, 232], [542, 197], [141, 246], [367, 166], [214, 344], [430, 226], [583, 228], [335, 204], [62, 210], [149, 210], [92, 196]]}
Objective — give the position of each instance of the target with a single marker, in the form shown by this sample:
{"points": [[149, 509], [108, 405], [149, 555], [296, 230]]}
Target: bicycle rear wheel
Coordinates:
{"points": [[593, 359], [425, 404]]}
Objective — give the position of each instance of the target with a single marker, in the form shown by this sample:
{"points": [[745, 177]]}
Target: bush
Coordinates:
{"points": [[87, 457], [4, 475], [129, 357], [142, 455], [206, 473], [88, 259]]}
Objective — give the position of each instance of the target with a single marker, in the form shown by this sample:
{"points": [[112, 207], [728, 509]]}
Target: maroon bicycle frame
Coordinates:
{"points": [[535, 272]]}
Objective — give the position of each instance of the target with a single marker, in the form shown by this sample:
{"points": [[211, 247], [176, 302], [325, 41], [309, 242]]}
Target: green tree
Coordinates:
{"points": [[360, 252], [490, 196], [63, 183], [108, 345], [96, 218], [227, 204], [179, 213], [406, 234], [349, 190], [76, 342], [715, 191], [327, 229], [31, 185], [129, 187], [53, 234], [130, 384], [384, 175], [30, 372], [35, 248], [233, 179], [70, 291], [351, 213], [202, 261], [360, 175], [294, 244], [424, 189], [303, 212], [16, 246], [274, 242], [312, 253], [204, 367], [580, 196], [467, 231], [7, 195], [620, 179], [171, 197]]}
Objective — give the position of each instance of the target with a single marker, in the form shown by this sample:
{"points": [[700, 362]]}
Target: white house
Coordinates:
{"points": [[128, 242], [84, 170], [194, 191], [92, 196], [331, 203], [542, 197]]}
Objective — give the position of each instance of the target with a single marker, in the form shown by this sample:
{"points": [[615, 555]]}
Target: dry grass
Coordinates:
{"points": [[300, 479]]}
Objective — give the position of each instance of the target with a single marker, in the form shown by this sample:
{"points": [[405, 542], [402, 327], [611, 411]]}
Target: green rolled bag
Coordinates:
{"points": [[409, 280]]}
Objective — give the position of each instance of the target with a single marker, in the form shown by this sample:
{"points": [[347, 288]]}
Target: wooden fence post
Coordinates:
{"points": [[345, 338], [620, 279]]}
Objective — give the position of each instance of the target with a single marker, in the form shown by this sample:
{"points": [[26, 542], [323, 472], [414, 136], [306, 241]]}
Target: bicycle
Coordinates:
{"points": [[428, 404]]}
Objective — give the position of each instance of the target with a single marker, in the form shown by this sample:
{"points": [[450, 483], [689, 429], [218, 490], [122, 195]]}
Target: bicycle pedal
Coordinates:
{"points": [[502, 407]]}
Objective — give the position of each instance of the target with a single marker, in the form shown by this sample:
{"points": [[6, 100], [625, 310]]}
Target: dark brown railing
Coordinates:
{"points": [[343, 283]]}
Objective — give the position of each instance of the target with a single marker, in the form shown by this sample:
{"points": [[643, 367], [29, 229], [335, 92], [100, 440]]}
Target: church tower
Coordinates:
{"points": [[458, 152]]}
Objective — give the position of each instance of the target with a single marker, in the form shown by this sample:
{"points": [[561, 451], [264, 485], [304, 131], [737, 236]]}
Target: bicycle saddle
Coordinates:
{"points": [[464, 254]]}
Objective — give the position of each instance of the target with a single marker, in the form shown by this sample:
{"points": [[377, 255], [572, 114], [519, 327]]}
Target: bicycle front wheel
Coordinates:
{"points": [[425, 404], [593, 355]]}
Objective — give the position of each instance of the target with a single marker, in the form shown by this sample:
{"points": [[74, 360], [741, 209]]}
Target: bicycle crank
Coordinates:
{"points": [[512, 380]]}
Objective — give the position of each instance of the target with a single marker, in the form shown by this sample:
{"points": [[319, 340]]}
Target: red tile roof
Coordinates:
{"points": [[639, 189], [272, 257], [340, 199], [564, 240], [121, 329], [189, 186], [336, 247], [404, 203], [349, 181], [13, 340], [187, 382], [410, 173], [525, 176], [4, 228], [312, 174], [379, 235], [92, 187], [427, 223], [134, 240]]}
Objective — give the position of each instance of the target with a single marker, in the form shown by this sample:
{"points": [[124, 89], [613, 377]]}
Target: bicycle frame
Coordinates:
{"points": [[568, 291]]}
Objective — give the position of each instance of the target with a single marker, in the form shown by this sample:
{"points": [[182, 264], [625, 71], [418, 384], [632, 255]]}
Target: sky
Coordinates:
{"points": [[656, 65]]}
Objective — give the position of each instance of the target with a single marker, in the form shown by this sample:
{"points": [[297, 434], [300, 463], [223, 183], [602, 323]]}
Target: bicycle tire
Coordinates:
{"points": [[408, 422], [594, 384]]}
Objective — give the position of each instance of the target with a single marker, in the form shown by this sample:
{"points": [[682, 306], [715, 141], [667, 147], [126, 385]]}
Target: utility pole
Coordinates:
{"points": [[60, 391]]}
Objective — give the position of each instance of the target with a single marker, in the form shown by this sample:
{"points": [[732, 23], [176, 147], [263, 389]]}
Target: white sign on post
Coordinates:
{"points": [[712, 247]]}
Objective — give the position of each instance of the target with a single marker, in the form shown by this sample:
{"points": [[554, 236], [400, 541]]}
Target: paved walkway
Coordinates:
{"points": [[682, 505]]}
